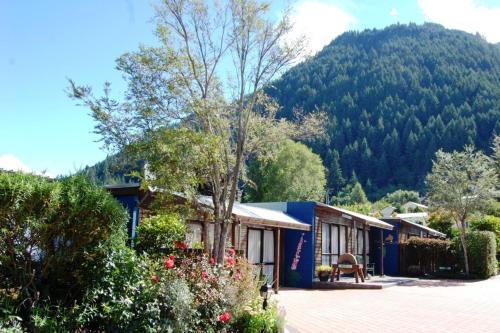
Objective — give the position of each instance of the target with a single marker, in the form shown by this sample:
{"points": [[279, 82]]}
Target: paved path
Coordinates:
{"points": [[423, 306]]}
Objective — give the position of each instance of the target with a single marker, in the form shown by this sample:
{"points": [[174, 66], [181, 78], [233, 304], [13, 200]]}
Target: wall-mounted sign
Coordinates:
{"points": [[349, 217]]}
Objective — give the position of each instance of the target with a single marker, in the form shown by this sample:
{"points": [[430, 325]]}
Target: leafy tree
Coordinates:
{"points": [[206, 76], [442, 221], [400, 197], [53, 233], [461, 183], [358, 195], [295, 174]]}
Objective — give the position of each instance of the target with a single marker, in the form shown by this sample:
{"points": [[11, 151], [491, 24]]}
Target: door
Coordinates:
{"points": [[261, 252]]}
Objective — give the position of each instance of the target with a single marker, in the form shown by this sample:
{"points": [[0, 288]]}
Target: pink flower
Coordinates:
{"points": [[231, 252], [212, 261], [169, 263], [230, 261], [237, 276], [224, 317], [154, 278], [204, 275]]}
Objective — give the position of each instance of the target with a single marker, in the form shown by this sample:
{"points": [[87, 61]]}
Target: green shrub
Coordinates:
{"points": [[52, 232], [257, 320], [481, 249], [442, 221], [125, 299], [487, 223], [157, 234], [426, 255]]}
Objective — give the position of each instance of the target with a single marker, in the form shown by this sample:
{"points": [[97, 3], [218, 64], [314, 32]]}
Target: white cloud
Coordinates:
{"points": [[319, 22], [11, 163], [394, 12], [465, 15]]}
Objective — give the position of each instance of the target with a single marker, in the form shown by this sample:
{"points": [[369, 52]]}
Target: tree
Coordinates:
{"points": [[400, 197], [183, 84], [461, 183], [358, 195], [442, 221], [296, 174]]}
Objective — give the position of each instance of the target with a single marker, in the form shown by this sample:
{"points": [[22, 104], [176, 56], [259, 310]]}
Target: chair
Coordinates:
{"points": [[348, 264]]}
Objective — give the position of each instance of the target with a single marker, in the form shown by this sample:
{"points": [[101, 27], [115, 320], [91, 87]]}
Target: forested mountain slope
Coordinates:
{"points": [[394, 97]]}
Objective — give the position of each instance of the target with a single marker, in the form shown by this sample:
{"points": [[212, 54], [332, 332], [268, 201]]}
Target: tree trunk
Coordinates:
{"points": [[461, 227]]}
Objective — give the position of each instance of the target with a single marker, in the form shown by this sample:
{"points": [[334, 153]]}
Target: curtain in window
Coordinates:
{"points": [[335, 243], [210, 240], [193, 234], [359, 239], [268, 246], [254, 246], [343, 243]]}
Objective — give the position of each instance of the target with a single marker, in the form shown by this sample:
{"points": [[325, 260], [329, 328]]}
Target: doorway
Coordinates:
{"points": [[260, 249]]}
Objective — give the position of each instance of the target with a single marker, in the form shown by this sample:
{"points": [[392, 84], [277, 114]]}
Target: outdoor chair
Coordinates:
{"points": [[347, 264]]}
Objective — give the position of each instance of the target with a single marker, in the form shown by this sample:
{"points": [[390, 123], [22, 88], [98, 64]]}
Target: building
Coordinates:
{"points": [[334, 231], [256, 232]]}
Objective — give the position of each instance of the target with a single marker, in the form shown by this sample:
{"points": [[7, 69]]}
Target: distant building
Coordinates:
{"points": [[419, 218], [411, 207]]}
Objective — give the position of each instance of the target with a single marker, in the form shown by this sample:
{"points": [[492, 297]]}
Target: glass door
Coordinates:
{"points": [[261, 252]]}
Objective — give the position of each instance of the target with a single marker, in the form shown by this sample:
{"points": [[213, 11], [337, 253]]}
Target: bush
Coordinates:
{"points": [[481, 250], [426, 256], [442, 221], [487, 223], [258, 320], [158, 234], [52, 232], [125, 298]]}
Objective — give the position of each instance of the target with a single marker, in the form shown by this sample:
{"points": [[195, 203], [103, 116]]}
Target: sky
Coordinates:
{"points": [[43, 43]]}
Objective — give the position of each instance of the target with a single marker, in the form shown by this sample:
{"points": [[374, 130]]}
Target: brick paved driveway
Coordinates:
{"points": [[423, 306]]}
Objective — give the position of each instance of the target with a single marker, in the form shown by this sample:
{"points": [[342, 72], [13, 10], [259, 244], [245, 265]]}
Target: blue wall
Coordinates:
{"points": [[391, 249], [301, 274], [130, 202]]}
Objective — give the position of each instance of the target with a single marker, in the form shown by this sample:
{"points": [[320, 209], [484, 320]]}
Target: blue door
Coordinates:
{"points": [[390, 250]]}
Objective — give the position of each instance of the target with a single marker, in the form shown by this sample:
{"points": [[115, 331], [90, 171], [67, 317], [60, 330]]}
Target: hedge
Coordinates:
{"points": [[420, 256], [481, 249]]}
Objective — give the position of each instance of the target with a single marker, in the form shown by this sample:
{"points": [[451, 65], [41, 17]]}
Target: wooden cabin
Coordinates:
{"points": [[255, 232]]}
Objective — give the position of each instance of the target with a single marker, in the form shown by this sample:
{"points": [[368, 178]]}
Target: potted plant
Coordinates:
{"points": [[324, 272]]}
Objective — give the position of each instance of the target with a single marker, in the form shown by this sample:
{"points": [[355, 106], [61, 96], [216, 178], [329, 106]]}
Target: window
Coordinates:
{"points": [[261, 251], [333, 242], [194, 233], [359, 242]]}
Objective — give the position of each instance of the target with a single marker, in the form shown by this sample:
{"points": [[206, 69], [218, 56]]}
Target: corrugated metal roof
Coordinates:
{"points": [[412, 215], [370, 220], [433, 232], [272, 217]]}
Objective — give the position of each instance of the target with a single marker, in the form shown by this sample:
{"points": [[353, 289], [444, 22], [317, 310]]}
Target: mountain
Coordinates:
{"points": [[393, 98]]}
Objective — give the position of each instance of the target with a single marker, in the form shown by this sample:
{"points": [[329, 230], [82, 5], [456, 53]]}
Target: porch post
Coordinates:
{"points": [[277, 246], [365, 252], [381, 252]]}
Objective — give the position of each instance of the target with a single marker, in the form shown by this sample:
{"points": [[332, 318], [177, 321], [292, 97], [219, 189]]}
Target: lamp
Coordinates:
{"points": [[265, 292]]}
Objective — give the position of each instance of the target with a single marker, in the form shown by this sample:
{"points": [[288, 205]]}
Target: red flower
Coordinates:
{"points": [[231, 252], [154, 278], [171, 257], [180, 245], [229, 261], [212, 261], [169, 263], [224, 317], [204, 275]]}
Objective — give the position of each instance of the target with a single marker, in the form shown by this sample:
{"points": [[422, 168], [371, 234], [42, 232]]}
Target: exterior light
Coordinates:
{"points": [[265, 292]]}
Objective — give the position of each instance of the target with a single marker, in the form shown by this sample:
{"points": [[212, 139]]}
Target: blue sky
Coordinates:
{"points": [[43, 43]]}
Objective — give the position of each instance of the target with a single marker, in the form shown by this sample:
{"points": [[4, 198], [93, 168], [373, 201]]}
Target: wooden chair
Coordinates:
{"points": [[347, 264]]}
